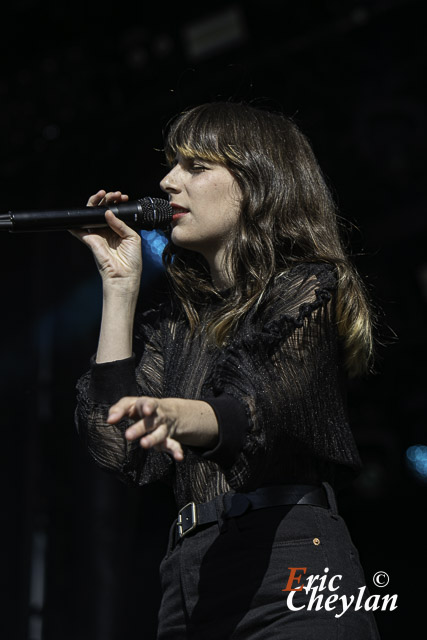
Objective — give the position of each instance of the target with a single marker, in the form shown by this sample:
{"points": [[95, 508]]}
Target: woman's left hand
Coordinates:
{"points": [[165, 423], [155, 422]]}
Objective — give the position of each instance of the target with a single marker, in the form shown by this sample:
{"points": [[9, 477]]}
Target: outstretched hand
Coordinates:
{"points": [[166, 423], [156, 421]]}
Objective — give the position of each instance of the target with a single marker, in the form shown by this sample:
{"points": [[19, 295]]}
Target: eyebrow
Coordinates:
{"points": [[188, 159]]}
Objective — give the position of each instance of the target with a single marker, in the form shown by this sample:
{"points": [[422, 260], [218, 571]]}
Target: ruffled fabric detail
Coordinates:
{"points": [[279, 328]]}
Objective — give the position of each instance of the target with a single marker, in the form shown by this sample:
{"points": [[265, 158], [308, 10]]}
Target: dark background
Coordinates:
{"points": [[85, 91]]}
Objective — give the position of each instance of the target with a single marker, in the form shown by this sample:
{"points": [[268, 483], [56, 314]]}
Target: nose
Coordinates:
{"points": [[169, 184]]}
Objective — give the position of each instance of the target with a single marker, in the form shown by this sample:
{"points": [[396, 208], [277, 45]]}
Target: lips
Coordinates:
{"points": [[178, 211]]}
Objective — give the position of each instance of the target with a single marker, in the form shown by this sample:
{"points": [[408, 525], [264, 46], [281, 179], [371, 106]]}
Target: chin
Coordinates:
{"points": [[181, 239]]}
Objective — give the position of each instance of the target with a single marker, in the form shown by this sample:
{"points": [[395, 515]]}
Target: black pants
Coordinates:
{"points": [[227, 580]]}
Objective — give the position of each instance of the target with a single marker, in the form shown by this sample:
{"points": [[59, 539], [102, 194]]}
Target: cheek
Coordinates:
{"points": [[230, 194], [230, 214], [234, 203]]}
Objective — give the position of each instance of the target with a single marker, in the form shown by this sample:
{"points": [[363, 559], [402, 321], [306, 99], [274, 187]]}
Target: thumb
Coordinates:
{"points": [[119, 227]]}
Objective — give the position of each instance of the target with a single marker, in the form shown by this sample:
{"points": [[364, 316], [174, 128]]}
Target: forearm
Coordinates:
{"points": [[115, 338]]}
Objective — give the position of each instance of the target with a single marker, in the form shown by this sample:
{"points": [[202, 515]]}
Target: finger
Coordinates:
{"points": [[124, 407], [174, 447], [142, 427], [119, 227], [96, 198], [154, 437], [115, 196], [133, 406], [76, 234], [145, 406], [80, 234]]}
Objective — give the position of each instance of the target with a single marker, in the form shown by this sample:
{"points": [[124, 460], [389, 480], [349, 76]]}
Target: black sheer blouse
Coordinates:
{"points": [[277, 388]]}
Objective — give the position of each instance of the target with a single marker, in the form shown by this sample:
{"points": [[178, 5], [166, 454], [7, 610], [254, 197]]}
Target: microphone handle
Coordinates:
{"points": [[147, 213]]}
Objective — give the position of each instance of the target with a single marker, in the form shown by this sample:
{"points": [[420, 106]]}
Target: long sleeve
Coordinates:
{"points": [[104, 384], [283, 368], [277, 390]]}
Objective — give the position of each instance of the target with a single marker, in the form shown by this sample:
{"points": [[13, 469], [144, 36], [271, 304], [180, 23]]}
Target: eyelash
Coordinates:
{"points": [[192, 166], [197, 168]]}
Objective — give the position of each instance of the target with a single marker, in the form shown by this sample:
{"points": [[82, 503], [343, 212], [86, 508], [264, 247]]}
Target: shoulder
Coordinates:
{"points": [[307, 274], [297, 292]]}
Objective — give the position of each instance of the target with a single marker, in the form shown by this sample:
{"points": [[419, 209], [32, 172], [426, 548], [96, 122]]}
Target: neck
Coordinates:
{"points": [[221, 279]]}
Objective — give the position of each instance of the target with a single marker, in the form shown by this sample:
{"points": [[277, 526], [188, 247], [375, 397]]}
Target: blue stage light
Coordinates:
{"points": [[153, 243], [416, 459]]}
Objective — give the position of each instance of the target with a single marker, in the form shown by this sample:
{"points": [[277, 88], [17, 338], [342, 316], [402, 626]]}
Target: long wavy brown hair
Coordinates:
{"points": [[287, 216]]}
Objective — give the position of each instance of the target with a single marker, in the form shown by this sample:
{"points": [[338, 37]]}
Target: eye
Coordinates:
{"points": [[196, 166]]}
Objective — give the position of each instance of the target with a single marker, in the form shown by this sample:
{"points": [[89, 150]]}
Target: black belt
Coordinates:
{"points": [[236, 504]]}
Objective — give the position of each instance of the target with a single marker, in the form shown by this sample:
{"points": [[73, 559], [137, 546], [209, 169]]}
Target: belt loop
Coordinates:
{"points": [[331, 497], [220, 508], [173, 537]]}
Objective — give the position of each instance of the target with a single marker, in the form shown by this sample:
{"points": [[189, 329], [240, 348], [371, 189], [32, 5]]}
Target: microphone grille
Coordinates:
{"points": [[156, 211]]}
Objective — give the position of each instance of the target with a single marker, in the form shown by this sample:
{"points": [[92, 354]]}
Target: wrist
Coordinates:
{"points": [[196, 423], [120, 299], [121, 287]]}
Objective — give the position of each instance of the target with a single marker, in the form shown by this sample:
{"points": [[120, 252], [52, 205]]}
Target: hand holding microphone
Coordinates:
{"points": [[116, 247], [117, 252]]}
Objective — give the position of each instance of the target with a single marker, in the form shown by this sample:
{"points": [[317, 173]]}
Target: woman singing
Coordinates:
{"points": [[232, 389]]}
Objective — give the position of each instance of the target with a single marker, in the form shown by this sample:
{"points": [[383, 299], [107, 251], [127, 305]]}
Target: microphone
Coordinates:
{"points": [[146, 213]]}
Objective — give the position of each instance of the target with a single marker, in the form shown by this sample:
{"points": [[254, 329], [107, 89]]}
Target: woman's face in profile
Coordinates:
{"points": [[206, 201]]}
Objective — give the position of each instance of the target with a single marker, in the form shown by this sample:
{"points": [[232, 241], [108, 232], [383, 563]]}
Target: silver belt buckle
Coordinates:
{"points": [[187, 519]]}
